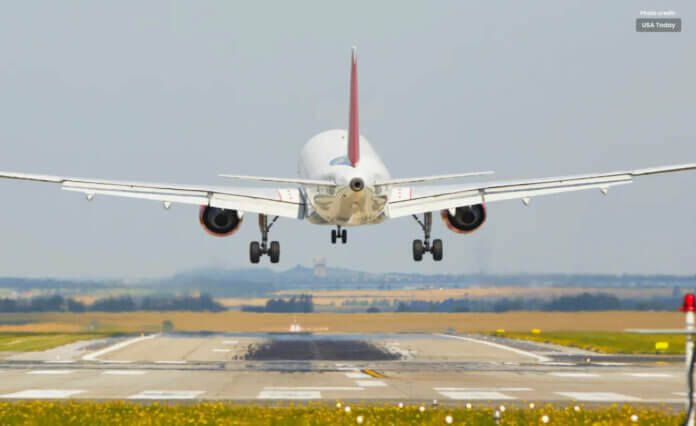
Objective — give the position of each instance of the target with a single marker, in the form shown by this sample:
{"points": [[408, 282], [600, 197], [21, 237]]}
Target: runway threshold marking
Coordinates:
{"points": [[539, 358], [370, 383], [271, 394], [51, 372], [94, 355], [42, 394], [164, 394], [599, 396]]}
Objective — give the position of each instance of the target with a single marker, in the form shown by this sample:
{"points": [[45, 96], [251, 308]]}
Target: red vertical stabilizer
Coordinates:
{"points": [[353, 124]]}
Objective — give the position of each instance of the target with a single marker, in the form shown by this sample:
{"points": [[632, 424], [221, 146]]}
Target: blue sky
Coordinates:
{"points": [[181, 91]]}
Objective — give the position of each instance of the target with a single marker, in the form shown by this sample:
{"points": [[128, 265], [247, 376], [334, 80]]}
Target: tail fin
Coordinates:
{"points": [[353, 124]]}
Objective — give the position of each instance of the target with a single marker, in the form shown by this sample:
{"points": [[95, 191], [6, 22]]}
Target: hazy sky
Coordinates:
{"points": [[179, 92]]}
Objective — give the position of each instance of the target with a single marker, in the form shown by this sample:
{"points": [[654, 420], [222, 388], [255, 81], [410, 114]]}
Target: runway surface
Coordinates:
{"points": [[348, 367]]}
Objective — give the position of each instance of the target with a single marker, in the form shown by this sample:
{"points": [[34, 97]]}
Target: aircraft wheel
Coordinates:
{"points": [[344, 236], [437, 250], [333, 236], [254, 252], [274, 251], [418, 250]]}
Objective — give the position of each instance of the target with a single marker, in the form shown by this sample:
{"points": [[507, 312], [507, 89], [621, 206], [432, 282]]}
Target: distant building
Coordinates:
{"points": [[319, 267]]}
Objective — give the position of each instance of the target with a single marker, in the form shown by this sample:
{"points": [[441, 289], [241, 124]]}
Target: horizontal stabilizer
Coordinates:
{"points": [[289, 181], [428, 179]]}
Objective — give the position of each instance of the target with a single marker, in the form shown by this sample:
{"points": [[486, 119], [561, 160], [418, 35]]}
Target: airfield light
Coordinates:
{"points": [[496, 416], [689, 303], [449, 419]]}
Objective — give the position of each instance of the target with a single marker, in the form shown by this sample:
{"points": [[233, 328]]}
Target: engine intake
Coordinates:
{"points": [[219, 222], [465, 219]]}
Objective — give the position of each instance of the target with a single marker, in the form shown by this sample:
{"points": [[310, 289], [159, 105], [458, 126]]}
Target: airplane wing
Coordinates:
{"points": [[285, 202], [410, 201]]}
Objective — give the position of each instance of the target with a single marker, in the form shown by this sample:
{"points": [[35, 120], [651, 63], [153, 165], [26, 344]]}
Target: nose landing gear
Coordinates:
{"points": [[422, 246], [339, 233], [256, 249]]}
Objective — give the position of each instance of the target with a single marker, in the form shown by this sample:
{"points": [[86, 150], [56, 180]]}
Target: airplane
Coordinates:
{"points": [[342, 182]]}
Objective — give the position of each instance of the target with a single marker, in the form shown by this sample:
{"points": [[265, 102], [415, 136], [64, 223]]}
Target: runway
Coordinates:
{"points": [[277, 368]]}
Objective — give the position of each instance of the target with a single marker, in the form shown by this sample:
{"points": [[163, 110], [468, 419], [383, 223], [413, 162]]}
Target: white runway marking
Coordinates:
{"points": [[230, 342], [265, 394], [221, 350], [315, 388], [51, 372], [160, 394], [539, 358], [599, 396], [484, 389], [116, 361], [476, 395], [612, 364], [358, 375], [574, 375], [94, 355], [370, 383], [124, 372], [42, 394], [170, 362], [649, 375], [60, 361], [564, 364]]}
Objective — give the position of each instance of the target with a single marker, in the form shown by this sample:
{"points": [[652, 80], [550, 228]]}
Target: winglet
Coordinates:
{"points": [[353, 124]]}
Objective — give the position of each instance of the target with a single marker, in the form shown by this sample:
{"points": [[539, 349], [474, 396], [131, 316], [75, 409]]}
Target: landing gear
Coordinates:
{"points": [[421, 247], [339, 233], [256, 249]]}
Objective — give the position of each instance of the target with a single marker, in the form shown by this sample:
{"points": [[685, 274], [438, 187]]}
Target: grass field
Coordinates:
{"points": [[607, 342], [119, 413], [27, 342], [233, 321]]}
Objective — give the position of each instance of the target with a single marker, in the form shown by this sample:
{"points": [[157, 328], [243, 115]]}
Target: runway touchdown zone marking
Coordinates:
{"points": [[42, 394], [160, 394], [599, 396]]}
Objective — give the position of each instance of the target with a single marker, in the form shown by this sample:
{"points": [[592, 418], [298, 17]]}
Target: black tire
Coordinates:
{"points": [[274, 252], [344, 236], [437, 250], [333, 236], [418, 250], [254, 252]]}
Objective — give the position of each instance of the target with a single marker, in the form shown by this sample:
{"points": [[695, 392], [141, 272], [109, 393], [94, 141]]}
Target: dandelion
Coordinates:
{"points": [[634, 418], [401, 405], [531, 405], [545, 418], [338, 404], [468, 406], [576, 408], [359, 419], [448, 419], [502, 408], [421, 408], [347, 409]]}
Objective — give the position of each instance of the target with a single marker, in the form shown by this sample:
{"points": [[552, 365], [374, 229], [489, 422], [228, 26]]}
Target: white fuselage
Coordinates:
{"points": [[324, 157]]}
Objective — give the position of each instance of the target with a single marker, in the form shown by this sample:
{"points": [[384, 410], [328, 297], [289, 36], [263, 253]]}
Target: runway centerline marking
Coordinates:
{"points": [[313, 388], [599, 396], [270, 394], [503, 389], [42, 394], [539, 358], [95, 355], [574, 375], [370, 383], [123, 372], [164, 394], [51, 372], [476, 395]]}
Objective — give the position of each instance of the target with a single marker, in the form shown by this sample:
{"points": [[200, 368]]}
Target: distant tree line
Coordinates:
{"points": [[299, 304], [57, 303], [579, 302]]}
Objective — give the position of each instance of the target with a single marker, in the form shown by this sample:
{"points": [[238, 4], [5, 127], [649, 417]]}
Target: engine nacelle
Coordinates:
{"points": [[465, 219], [219, 222]]}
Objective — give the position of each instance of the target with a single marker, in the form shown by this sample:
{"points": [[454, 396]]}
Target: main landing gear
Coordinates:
{"points": [[422, 246], [339, 233], [256, 249]]}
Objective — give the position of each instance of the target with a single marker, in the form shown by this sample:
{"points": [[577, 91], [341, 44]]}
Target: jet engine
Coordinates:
{"points": [[463, 220], [219, 222]]}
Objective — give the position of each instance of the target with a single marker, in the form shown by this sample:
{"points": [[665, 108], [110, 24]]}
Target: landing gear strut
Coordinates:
{"points": [[256, 249], [422, 246], [339, 233]]}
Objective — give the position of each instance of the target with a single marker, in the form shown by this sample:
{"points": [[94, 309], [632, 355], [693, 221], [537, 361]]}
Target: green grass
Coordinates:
{"points": [[27, 342], [607, 342], [218, 413]]}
